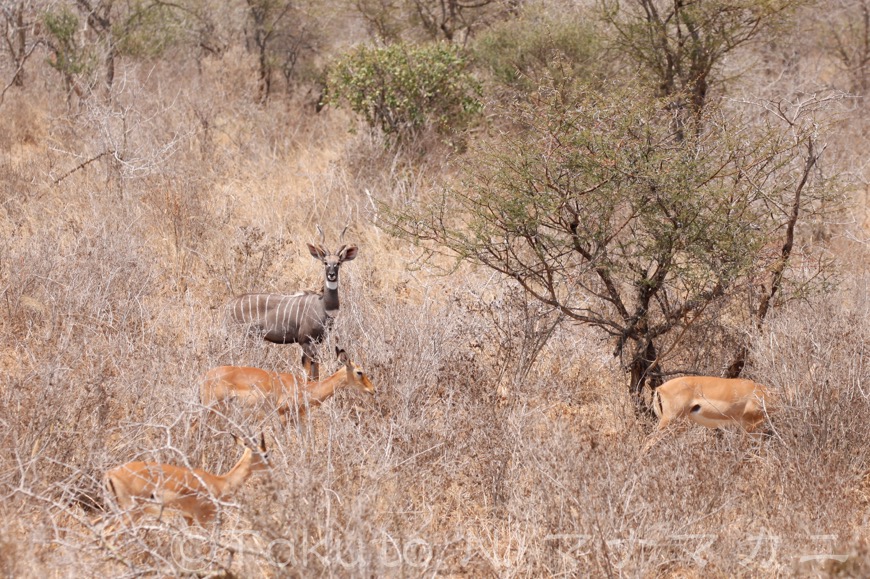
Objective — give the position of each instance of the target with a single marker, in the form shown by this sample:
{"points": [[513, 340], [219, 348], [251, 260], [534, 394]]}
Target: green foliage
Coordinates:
{"points": [[520, 52], [431, 20], [148, 30], [406, 90], [68, 58], [600, 207], [599, 182], [680, 45]]}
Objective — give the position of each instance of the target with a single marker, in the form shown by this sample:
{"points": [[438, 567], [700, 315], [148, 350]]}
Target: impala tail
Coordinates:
{"points": [[657, 403]]}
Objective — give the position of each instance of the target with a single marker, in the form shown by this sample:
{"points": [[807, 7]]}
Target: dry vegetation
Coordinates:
{"points": [[499, 443]]}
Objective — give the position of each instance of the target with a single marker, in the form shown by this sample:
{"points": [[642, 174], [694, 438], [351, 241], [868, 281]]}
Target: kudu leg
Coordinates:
{"points": [[310, 364]]}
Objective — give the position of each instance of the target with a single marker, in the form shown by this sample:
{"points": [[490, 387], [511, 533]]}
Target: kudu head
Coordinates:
{"points": [[332, 261]]}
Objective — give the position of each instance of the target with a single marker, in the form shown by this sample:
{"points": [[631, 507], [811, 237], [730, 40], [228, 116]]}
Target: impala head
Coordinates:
{"points": [[331, 261], [259, 454], [356, 378]]}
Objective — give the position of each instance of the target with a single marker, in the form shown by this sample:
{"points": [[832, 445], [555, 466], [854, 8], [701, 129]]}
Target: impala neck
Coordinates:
{"points": [[320, 391], [236, 475]]}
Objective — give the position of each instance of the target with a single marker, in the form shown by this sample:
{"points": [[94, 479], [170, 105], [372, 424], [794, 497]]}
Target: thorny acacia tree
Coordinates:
{"points": [[847, 36], [17, 23], [103, 31], [596, 206], [280, 32], [455, 21], [680, 44]]}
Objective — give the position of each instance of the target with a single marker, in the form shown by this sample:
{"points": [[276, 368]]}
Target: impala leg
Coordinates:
{"points": [[657, 434], [651, 441], [112, 524], [209, 413], [283, 415], [760, 430], [194, 425], [127, 519]]}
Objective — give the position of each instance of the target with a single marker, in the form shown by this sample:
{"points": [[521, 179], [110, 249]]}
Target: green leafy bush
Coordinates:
{"points": [[519, 53], [68, 57], [407, 90], [149, 29]]}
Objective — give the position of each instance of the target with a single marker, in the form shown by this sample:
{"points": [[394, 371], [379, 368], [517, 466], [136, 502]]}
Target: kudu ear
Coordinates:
{"points": [[341, 355], [347, 253], [317, 251]]}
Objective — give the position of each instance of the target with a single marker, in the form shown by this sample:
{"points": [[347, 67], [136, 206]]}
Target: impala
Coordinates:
{"points": [[151, 487], [302, 318], [287, 393], [711, 402]]}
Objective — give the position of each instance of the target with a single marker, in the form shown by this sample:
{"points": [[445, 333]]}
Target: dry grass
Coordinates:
{"points": [[488, 450]]}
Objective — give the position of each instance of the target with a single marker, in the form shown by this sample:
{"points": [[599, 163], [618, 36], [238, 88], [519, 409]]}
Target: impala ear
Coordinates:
{"points": [[317, 251], [241, 442], [341, 355], [347, 253]]}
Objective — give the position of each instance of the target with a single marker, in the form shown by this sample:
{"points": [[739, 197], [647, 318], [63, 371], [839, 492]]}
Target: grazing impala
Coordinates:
{"points": [[711, 402], [301, 318], [152, 487], [287, 393]]}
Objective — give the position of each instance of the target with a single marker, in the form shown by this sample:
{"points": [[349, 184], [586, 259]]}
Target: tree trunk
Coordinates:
{"points": [[265, 81], [21, 36], [777, 270], [738, 363], [639, 370], [110, 64]]}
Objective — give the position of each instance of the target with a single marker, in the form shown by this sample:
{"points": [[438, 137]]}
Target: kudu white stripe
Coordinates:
{"points": [[302, 318]]}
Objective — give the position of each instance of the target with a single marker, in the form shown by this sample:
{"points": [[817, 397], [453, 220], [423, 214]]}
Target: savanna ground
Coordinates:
{"points": [[498, 444]]}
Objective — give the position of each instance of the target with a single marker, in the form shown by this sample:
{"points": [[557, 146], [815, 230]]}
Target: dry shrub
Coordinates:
{"points": [[437, 473], [499, 443], [814, 356], [24, 125], [79, 304]]}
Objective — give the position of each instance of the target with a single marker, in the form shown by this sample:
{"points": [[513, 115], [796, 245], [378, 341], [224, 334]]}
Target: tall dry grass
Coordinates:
{"points": [[501, 441]]}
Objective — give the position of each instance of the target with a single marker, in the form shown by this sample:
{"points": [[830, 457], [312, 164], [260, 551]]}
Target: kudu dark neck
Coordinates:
{"points": [[330, 294], [330, 298]]}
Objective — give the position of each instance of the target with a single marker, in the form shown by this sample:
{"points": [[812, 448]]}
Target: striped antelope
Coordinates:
{"points": [[286, 393], [150, 487], [302, 318], [711, 402]]}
